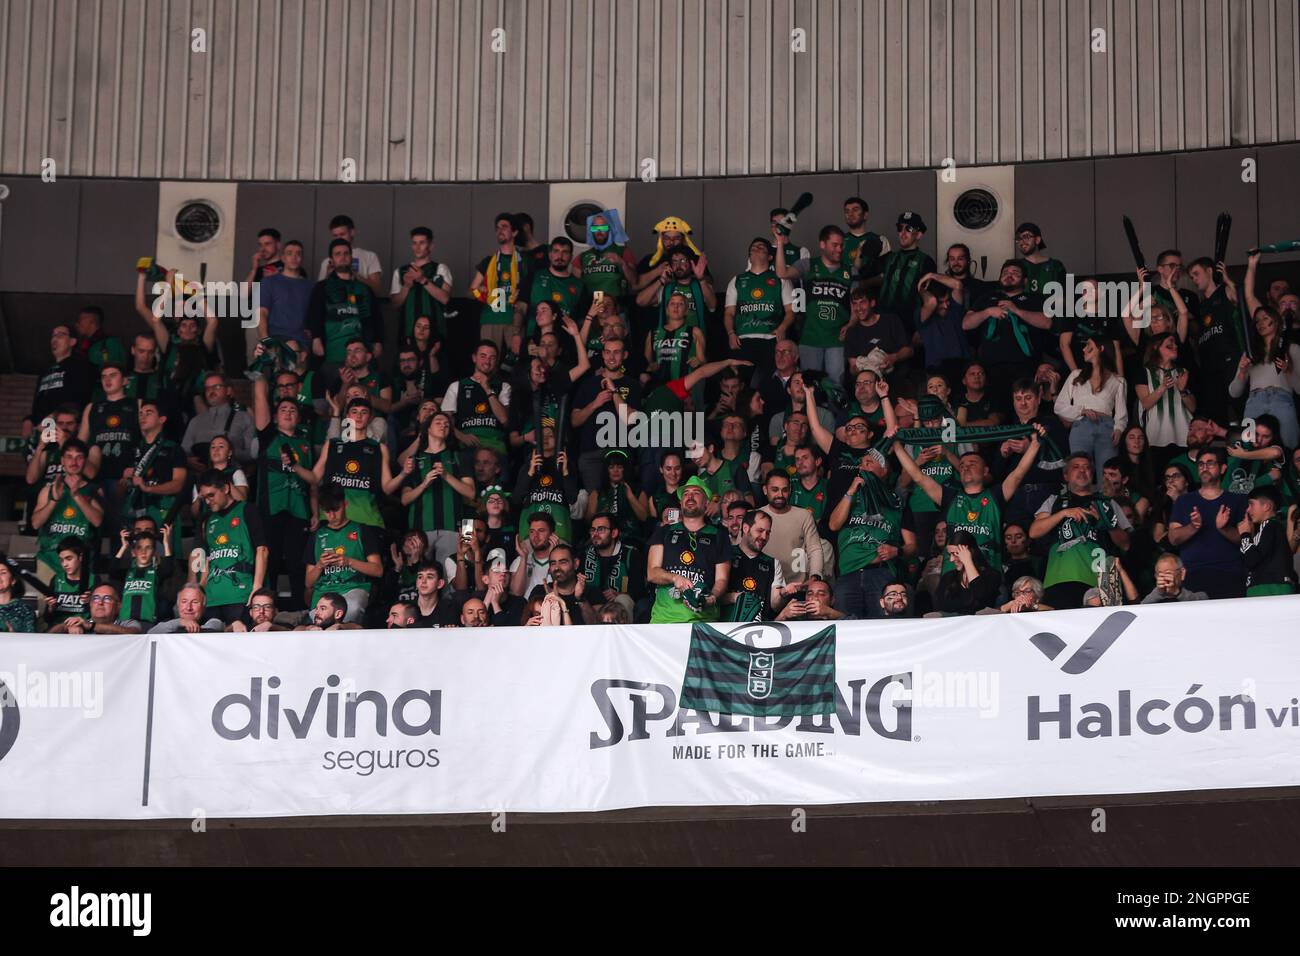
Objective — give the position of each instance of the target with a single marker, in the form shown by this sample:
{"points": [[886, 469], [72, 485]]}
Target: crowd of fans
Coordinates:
{"points": [[883, 437]]}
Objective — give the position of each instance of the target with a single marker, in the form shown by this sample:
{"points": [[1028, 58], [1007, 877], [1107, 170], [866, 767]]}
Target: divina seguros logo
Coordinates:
{"points": [[335, 710]]}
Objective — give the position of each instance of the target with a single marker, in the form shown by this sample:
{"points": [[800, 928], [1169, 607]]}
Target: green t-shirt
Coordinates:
{"points": [[864, 533], [601, 274], [828, 304], [347, 315], [67, 520], [981, 515], [695, 556], [353, 540], [231, 545], [1072, 555], [672, 349], [438, 507], [814, 499], [1039, 274], [562, 292], [280, 490], [759, 305]]}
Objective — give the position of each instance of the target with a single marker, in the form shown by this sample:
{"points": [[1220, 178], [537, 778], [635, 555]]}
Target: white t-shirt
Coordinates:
{"points": [[364, 264], [442, 272], [537, 572]]}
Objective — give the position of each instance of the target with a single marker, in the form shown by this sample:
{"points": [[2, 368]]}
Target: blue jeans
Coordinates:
{"points": [[828, 360], [1281, 403], [858, 593], [1094, 439]]}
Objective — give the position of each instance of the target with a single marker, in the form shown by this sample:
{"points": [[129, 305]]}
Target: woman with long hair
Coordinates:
{"points": [[424, 339], [1165, 402], [1135, 448], [1092, 404], [435, 498], [972, 585], [671, 476], [1271, 373]]}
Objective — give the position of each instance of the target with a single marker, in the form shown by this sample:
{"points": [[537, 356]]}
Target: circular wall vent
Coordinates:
{"points": [[198, 222], [575, 220], [975, 209]]}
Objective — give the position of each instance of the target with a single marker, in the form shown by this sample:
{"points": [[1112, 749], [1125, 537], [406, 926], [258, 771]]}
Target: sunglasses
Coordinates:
{"points": [[600, 228]]}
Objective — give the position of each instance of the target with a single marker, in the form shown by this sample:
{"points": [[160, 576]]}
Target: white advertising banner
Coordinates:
{"points": [[1141, 699]]}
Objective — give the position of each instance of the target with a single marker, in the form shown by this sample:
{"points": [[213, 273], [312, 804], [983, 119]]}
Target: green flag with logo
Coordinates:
{"points": [[724, 676]]}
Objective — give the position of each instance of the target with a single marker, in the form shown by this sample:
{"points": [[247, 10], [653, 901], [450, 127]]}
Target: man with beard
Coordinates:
{"points": [[1075, 520], [689, 562], [606, 267], [863, 249], [1007, 320], [896, 601], [499, 283], [329, 614], [1040, 269], [613, 568], [1205, 526], [1201, 432], [957, 265], [401, 615], [976, 505], [809, 488], [902, 272], [758, 309], [757, 588], [793, 539], [599, 398], [869, 330], [683, 275], [828, 280], [474, 613], [556, 284], [533, 565], [570, 585]]}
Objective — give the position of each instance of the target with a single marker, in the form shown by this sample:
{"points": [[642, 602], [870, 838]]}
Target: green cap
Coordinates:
{"points": [[695, 481]]}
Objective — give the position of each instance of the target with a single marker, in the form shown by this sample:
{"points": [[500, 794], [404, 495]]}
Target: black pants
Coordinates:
{"points": [[287, 540]]}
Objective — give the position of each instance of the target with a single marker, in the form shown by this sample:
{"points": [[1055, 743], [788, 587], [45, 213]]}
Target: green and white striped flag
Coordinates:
{"points": [[724, 676]]}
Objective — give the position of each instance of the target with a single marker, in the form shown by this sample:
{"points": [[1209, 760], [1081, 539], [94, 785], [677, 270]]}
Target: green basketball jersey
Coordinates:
{"points": [[230, 556], [759, 309], [828, 304]]}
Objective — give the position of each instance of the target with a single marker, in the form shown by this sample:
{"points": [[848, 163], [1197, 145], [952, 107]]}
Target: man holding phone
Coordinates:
{"points": [[689, 561]]}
